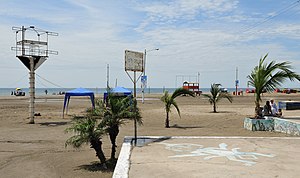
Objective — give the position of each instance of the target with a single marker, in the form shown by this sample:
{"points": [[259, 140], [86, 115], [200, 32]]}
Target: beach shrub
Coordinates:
{"points": [[115, 112], [216, 94], [105, 118], [169, 100], [269, 76], [87, 131]]}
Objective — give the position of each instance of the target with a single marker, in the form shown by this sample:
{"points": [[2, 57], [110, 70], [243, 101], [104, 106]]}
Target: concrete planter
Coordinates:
{"points": [[259, 124], [273, 124], [288, 127]]}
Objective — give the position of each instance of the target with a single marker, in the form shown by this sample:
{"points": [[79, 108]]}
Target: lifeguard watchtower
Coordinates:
{"points": [[32, 50]]}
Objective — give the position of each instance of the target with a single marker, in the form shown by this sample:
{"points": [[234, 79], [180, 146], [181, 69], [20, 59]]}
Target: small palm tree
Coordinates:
{"points": [[87, 131], [169, 100], [114, 114], [216, 95], [268, 77]]}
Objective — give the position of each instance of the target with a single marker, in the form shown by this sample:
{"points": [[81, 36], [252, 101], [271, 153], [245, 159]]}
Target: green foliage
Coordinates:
{"points": [[269, 76], [85, 129], [169, 100], [114, 113], [216, 95], [105, 118], [117, 111]]}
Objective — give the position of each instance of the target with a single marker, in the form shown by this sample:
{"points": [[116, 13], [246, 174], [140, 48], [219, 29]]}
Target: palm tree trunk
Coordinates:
{"points": [[96, 144], [113, 133], [215, 108], [257, 110], [167, 121]]}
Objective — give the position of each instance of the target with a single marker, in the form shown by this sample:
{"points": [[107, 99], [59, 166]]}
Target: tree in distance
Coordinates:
{"points": [[169, 100], [216, 94]]}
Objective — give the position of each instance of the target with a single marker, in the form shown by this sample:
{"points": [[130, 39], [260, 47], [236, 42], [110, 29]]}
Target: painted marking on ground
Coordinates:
{"points": [[214, 152]]}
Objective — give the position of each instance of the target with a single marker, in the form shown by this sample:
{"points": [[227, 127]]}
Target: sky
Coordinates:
{"points": [[210, 41]]}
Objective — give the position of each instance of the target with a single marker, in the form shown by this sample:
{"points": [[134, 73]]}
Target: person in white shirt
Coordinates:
{"points": [[274, 108]]}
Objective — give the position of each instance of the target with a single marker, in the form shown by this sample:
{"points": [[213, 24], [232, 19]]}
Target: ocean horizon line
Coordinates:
{"points": [[96, 90], [58, 91]]}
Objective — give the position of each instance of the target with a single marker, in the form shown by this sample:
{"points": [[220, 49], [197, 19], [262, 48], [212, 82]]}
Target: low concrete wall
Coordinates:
{"points": [[272, 124], [122, 167], [259, 124], [285, 126]]}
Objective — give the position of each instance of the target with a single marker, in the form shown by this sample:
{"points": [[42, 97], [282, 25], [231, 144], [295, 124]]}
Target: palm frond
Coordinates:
{"points": [[167, 100], [165, 96], [210, 97], [182, 91], [177, 108], [84, 129], [269, 76], [76, 141], [225, 95]]}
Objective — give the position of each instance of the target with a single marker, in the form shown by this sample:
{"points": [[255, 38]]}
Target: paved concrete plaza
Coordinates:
{"points": [[179, 157]]}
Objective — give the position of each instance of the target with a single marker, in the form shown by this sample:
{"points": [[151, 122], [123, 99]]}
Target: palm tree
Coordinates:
{"points": [[216, 95], [114, 114], [87, 131], [169, 100], [268, 77]]}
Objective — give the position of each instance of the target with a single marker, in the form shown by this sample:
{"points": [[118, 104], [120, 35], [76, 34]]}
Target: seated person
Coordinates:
{"points": [[267, 109], [274, 108], [279, 113]]}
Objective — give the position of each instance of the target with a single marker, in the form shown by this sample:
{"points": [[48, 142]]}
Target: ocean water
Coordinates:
{"points": [[56, 91]]}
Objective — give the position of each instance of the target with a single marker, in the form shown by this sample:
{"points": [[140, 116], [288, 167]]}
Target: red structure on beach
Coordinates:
{"points": [[192, 87]]}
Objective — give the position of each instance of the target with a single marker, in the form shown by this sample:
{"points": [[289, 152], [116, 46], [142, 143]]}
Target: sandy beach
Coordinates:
{"points": [[38, 150]]}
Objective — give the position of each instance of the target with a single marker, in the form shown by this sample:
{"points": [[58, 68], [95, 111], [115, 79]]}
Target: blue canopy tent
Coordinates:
{"points": [[118, 91], [78, 92]]}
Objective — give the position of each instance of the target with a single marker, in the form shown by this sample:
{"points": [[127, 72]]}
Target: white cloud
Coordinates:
{"points": [[288, 30], [183, 10], [193, 36], [187, 8]]}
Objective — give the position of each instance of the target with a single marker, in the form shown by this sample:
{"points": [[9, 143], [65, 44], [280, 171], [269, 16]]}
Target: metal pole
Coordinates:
{"points": [[145, 62], [134, 84], [134, 95], [144, 74], [236, 81], [31, 90], [23, 38], [107, 75]]}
